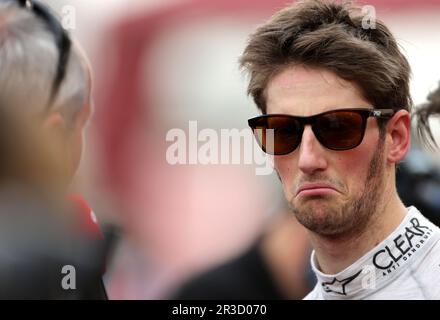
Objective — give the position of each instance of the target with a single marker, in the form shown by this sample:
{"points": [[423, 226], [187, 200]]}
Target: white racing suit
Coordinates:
{"points": [[406, 265]]}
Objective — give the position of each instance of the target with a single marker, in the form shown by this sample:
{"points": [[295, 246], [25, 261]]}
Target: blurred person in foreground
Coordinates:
{"points": [[45, 79], [335, 99], [44, 252]]}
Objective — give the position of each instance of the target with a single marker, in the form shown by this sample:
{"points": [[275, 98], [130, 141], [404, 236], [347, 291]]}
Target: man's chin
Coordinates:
{"points": [[319, 216], [317, 213]]}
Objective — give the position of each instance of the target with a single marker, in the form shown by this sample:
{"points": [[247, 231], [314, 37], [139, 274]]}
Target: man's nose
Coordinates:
{"points": [[311, 153]]}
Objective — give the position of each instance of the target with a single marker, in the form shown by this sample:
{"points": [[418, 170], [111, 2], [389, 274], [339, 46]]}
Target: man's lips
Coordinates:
{"points": [[316, 189]]}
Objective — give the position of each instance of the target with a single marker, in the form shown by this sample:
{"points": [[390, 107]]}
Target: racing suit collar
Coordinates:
{"points": [[402, 248]]}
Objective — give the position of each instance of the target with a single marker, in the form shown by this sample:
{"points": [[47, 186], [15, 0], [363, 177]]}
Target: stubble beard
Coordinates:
{"points": [[325, 218]]}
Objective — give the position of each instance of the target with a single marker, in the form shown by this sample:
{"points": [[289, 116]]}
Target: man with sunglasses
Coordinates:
{"points": [[335, 102], [46, 78]]}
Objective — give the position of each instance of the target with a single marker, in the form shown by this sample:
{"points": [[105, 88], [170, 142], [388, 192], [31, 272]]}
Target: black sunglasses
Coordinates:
{"points": [[62, 40], [341, 129]]}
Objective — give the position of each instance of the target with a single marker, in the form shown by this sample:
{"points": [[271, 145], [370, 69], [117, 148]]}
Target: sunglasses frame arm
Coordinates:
{"points": [[382, 113]]}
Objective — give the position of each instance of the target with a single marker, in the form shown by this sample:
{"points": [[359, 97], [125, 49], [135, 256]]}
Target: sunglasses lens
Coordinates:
{"points": [[277, 135], [340, 130]]}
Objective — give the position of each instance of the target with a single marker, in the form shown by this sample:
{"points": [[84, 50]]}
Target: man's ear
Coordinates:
{"points": [[399, 136], [85, 114]]}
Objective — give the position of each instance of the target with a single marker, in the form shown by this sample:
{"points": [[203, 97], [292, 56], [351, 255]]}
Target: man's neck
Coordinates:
{"points": [[334, 254]]}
